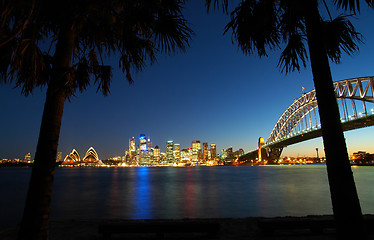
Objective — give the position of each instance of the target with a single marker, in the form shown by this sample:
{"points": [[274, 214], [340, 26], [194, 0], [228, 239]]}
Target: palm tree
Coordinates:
{"points": [[262, 25], [61, 45]]}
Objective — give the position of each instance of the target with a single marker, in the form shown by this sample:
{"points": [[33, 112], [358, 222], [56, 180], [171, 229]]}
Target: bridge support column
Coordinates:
{"points": [[261, 142], [273, 154]]}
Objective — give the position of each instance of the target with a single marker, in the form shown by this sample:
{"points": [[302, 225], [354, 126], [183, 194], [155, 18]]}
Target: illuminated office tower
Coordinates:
{"points": [[157, 153], [132, 146], [177, 153], [196, 149], [185, 155], [144, 157], [149, 143], [213, 151], [169, 152], [223, 154], [205, 151], [142, 142]]}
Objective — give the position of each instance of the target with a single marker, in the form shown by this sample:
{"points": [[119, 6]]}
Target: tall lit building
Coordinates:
{"points": [[196, 149], [205, 151], [213, 151], [185, 155], [177, 153], [169, 151], [223, 154], [157, 153], [143, 147], [149, 143], [143, 142], [132, 147]]}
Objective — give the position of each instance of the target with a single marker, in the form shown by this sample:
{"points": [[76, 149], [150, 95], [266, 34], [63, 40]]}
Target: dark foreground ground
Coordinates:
{"points": [[310, 227]]}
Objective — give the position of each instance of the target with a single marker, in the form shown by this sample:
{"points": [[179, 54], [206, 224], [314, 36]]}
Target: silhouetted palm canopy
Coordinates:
{"points": [[298, 28], [132, 30], [261, 26], [63, 44]]}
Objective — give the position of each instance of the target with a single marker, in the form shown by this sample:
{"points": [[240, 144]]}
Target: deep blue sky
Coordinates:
{"points": [[211, 92]]}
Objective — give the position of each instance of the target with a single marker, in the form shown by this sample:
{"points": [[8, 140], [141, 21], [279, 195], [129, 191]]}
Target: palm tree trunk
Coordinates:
{"points": [[345, 202], [35, 221]]}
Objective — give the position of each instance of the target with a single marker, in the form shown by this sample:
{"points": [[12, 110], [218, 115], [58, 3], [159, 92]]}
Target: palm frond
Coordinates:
{"points": [[30, 66], [171, 32], [294, 53], [339, 34], [224, 5], [254, 26], [352, 5], [136, 29], [103, 77]]}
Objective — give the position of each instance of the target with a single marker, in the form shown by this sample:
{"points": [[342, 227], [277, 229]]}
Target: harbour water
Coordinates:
{"points": [[188, 192]]}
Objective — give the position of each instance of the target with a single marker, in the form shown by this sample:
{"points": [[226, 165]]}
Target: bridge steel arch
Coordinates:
{"points": [[361, 89], [300, 121]]}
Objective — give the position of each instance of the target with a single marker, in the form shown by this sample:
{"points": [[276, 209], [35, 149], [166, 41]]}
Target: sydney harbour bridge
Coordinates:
{"points": [[300, 121]]}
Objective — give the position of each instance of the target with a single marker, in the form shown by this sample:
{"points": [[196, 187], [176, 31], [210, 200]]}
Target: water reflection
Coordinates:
{"points": [[142, 194], [113, 198], [195, 192], [189, 203]]}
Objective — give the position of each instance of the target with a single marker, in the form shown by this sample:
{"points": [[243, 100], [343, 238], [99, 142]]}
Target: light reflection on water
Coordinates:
{"points": [[192, 192]]}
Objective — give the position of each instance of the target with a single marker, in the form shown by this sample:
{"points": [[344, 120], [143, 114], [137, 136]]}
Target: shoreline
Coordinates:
{"points": [[230, 228]]}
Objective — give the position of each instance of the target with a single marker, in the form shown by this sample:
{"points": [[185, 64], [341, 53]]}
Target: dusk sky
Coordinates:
{"points": [[212, 93]]}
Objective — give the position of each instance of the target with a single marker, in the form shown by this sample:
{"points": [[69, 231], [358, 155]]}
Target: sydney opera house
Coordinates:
{"points": [[90, 159]]}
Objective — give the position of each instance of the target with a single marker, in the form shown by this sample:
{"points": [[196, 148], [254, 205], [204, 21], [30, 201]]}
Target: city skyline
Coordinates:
{"points": [[211, 92]]}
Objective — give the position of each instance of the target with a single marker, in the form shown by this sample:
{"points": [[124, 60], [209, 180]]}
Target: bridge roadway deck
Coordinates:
{"points": [[348, 125]]}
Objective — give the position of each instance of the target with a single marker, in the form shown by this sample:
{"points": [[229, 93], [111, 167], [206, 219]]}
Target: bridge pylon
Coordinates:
{"points": [[268, 154], [261, 143], [273, 154]]}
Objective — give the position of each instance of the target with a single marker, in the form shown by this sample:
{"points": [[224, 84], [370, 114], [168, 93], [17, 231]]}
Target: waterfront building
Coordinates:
{"points": [[205, 151], [149, 143], [196, 151], [239, 153], [213, 151], [223, 154], [169, 152], [176, 153], [91, 158], [185, 156], [143, 147], [230, 155], [143, 142], [72, 159], [157, 153], [27, 157], [132, 147]]}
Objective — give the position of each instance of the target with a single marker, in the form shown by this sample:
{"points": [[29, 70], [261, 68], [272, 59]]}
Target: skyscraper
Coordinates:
{"points": [[196, 149], [149, 143], [213, 151], [169, 152], [205, 151], [142, 142], [132, 148], [143, 147], [177, 153], [157, 153]]}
